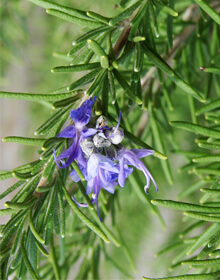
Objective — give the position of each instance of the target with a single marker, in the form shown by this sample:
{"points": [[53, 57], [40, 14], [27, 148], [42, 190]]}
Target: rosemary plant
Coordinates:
{"points": [[142, 94]]}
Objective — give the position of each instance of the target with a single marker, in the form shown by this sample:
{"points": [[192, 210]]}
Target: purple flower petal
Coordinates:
{"points": [[140, 153], [131, 157], [81, 116], [68, 132], [79, 204]]}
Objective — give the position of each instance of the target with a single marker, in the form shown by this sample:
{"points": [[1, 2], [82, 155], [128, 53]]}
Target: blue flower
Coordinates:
{"points": [[76, 133], [131, 157], [101, 172]]}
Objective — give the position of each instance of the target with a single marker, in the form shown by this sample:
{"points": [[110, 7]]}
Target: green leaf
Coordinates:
{"points": [[99, 51], [58, 116], [135, 22], [138, 58], [62, 211], [95, 33], [35, 96], [21, 175], [22, 205], [215, 185], [27, 189], [68, 101], [73, 19], [17, 239], [51, 142], [23, 140], [42, 249], [76, 68], [204, 159], [210, 11], [198, 129], [98, 17], [208, 276], [104, 62], [51, 5], [27, 262], [170, 26], [211, 191], [204, 237], [54, 260], [199, 216], [126, 87], [105, 96], [211, 106], [97, 83], [152, 14], [85, 79], [6, 175], [214, 70], [112, 86], [185, 206], [166, 9], [32, 251], [11, 189], [82, 217], [203, 262], [125, 14], [4, 212], [33, 230], [209, 146]]}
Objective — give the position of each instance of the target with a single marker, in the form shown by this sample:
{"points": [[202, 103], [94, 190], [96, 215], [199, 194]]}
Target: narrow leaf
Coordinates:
{"points": [[199, 216], [185, 206], [208, 276], [214, 70], [35, 96], [198, 129], [210, 11], [211, 106], [204, 237], [51, 5], [27, 262], [76, 68], [11, 189], [54, 260], [33, 230], [204, 159], [125, 14], [126, 87], [74, 19], [85, 79], [23, 140], [203, 262], [98, 17]]}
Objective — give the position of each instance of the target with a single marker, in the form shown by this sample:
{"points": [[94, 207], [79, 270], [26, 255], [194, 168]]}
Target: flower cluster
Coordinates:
{"points": [[103, 161]]}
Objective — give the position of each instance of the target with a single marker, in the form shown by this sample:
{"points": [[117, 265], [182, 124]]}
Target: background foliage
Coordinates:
{"points": [[167, 101]]}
